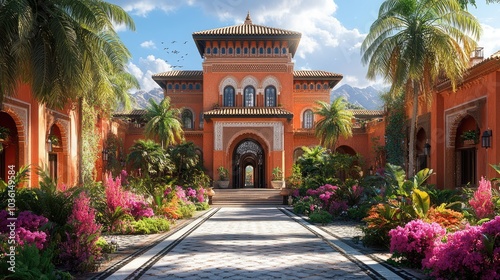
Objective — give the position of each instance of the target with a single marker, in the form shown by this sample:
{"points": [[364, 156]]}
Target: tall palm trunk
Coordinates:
{"points": [[411, 142]]}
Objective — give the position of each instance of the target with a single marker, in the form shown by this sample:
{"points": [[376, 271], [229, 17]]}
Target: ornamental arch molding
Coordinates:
{"points": [[20, 115], [251, 81], [456, 115], [228, 81], [271, 81]]}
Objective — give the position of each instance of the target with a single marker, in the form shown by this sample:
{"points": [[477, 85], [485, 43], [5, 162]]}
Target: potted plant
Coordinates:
{"points": [[470, 137], [223, 177], [277, 181], [4, 133], [54, 140]]}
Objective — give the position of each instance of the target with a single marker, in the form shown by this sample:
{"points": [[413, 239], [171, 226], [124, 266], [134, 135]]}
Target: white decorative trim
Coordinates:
{"points": [[228, 81], [271, 81], [249, 81], [277, 127]]}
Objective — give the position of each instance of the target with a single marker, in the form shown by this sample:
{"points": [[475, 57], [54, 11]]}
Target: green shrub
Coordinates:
{"points": [[187, 210], [200, 206], [151, 225], [104, 246], [321, 216], [32, 263]]}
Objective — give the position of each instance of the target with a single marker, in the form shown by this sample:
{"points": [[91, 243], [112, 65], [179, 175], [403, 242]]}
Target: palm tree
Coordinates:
{"points": [[415, 42], [150, 157], [61, 48], [164, 122], [336, 121]]}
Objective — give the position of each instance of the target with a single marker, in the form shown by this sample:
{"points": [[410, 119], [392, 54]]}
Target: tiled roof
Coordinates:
{"points": [[227, 112], [132, 113], [363, 113], [247, 31], [311, 74], [186, 74]]}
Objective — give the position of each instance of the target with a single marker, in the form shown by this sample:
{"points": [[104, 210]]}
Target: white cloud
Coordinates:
{"points": [[146, 68], [489, 40], [148, 44], [143, 7]]}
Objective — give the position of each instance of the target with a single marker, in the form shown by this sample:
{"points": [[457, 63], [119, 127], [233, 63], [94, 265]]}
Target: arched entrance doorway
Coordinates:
{"points": [[9, 150], [248, 164], [466, 151]]}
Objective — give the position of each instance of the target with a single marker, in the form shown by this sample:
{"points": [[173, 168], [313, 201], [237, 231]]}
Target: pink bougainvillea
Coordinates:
{"points": [[414, 241], [482, 202], [27, 228], [79, 250], [330, 199], [473, 253]]}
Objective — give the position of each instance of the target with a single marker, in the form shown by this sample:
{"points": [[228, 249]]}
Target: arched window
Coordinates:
{"points": [[183, 86], [215, 50], [249, 97], [304, 86], [308, 119], [170, 86], [190, 86], [254, 50], [208, 50], [245, 50], [276, 50], [177, 86], [297, 86], [222, 50], [230, 50], [268, 50], [187, 119], [270, 95], [261, 50], [229, 96], [283, 50], [197, 86], [238, 50]]}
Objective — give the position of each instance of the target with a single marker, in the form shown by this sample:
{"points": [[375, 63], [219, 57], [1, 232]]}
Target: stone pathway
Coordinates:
{"points": [[258, 243]]}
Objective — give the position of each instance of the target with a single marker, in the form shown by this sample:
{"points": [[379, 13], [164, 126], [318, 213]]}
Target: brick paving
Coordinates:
{"points": [[253, 242]]}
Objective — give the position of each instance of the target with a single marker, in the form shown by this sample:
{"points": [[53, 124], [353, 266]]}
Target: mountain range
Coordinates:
{"points": [[368, 98]]}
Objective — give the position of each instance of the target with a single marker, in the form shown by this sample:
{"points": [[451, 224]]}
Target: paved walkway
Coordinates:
{"points": [[252, 243]]}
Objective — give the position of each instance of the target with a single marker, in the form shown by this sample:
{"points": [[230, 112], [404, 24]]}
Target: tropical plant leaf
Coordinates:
{"points": [[421, 202]]}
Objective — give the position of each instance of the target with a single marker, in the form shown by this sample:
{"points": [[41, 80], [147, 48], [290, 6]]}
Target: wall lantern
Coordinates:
{"points": [[427, 149], [486, 139], [49, 145], [105, 155]]}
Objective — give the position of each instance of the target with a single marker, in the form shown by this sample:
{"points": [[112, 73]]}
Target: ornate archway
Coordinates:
{"points": [[248, 155]]}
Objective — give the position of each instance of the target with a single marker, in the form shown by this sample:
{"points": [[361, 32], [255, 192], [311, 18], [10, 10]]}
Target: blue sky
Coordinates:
{"points": [[332, 32]]}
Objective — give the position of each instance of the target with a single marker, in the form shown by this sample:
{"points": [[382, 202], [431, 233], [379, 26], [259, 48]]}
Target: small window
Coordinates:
{"points": [[215, 50], [311, 86], [238, 50], [177, 87], [169, 86], [297, 86], [230, 50], [208, 50], [187, 119], [270, 96], [245, 50], [183, 86], [261, 50], [325, 86], [198, 86], [249, 97], [223, 51], [318, 86], [283, 50], [254, 50], [308, 118], [228, 96], [304, 86], [276, 50], [190, 86]]}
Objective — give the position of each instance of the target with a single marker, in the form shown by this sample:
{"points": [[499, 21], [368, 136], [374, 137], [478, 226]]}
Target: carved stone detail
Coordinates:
{"points": [[277, 128]]}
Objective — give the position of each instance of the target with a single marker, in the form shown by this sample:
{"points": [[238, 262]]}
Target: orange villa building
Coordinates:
{"points": [[39, 137], [248, 109]]}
